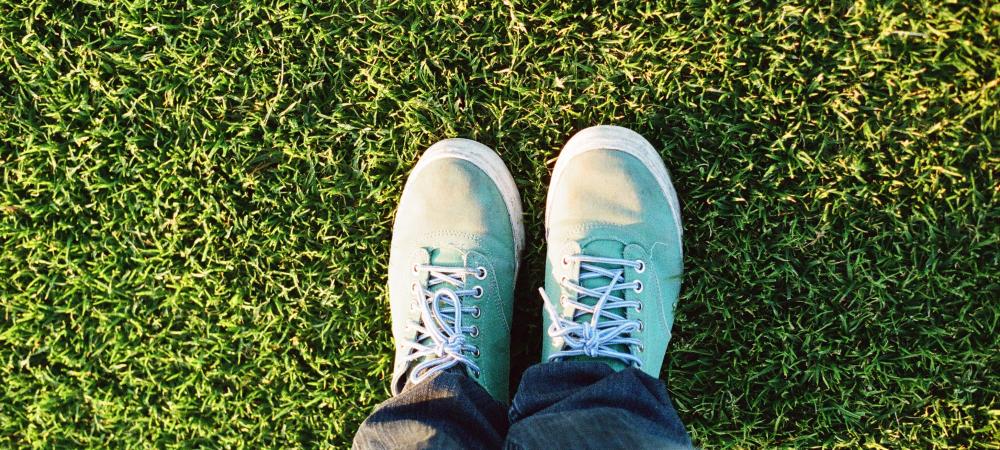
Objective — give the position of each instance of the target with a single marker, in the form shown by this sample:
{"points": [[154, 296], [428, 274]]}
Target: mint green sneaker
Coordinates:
{"points": [[452, 264], [614, 258]]}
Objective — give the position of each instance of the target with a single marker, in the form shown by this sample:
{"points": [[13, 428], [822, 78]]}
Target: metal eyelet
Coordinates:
{"points": [[565, 261], [475, 352], [640, 266], [638, 287], [415, 269], [476, 373], [478, 312], [414, 287], [641, 326], [479, 292], [642, 348], [481, 273], [563, 300], [474, 332], [638, 307]]}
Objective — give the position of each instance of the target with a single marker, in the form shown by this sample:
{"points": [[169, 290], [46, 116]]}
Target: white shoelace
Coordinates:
{"points": [[605, 329], [440, 335]]}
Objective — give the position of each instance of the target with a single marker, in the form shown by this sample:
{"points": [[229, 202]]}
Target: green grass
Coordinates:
{"points": [[196, 201]]}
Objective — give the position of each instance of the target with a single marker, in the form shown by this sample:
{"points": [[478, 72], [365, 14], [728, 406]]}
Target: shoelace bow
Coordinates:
{"points": [[605, 329], [440, 335]]}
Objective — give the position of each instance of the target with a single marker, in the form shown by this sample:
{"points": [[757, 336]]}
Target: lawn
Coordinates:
{"points": [[196, 203]]}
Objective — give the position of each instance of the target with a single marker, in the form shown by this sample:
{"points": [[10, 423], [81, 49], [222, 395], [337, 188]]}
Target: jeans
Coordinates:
{"points": [[576, 405]]}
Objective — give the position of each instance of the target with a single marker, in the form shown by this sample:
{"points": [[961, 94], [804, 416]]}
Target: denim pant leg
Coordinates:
{"points": [[582, 405], [449, 410]]}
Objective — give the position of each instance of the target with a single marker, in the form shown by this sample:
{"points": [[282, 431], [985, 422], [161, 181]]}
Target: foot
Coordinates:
{"points": [[614, 257], [452, 266]]}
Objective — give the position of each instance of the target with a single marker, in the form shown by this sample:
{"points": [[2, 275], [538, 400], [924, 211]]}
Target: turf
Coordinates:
{"points": [[196, 201]]}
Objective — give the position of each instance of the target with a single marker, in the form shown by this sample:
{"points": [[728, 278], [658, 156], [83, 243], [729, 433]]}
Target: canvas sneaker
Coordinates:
{"points": [[453, 260], [614, 257]]}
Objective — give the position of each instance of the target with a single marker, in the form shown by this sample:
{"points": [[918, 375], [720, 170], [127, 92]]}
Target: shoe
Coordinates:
{"points": [[614, 258], [453, 260]]}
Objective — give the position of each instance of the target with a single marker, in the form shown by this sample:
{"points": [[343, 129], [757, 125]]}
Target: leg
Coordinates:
{"points": [[584, 404], [448, 410]]}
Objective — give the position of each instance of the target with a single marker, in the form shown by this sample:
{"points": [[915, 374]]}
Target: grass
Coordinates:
{"points": [[196, 200]]}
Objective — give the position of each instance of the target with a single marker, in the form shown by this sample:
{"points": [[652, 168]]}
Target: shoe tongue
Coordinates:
{"points": [[447, 257], [603, 249]]}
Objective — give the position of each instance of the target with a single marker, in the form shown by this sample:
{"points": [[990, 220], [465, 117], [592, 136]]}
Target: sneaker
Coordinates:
{"points": [[452, 265], [614, 258]]}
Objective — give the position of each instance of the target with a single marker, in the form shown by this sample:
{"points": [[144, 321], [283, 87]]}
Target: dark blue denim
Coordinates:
{"points": [[578, 405]]}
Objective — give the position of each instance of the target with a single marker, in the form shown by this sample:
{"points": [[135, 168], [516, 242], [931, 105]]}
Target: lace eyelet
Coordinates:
{"points": [[474, 332], [477, 313], [638, 287], [563, 300], [415, 269], [638, 308], [479, 292], [481, 273], [476, 373], [641, 326], [414, 287], [565, 261], [475, 352], [642, 348], [640, 266]]}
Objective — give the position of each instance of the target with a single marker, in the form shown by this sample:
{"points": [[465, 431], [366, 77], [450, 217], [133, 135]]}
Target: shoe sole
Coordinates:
{"points": [[490, 163], [610, 137]]}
